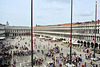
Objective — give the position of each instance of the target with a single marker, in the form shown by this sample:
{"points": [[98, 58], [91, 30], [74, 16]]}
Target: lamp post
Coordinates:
{"points": [[71, 33], [95, 26], [32, 33]]}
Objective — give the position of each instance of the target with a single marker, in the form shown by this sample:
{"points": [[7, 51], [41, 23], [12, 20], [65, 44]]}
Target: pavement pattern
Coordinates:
{"points": [[25, 61]]}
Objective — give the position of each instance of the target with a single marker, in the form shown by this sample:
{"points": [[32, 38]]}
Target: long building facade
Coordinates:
{"points": [[83, 32], [17, 31], [13, 31], [2, 31]]}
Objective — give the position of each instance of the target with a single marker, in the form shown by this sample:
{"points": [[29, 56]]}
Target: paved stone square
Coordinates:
{"points": [[26, 60]]}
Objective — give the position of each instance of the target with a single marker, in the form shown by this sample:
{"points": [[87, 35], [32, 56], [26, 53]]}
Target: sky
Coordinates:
{"points": [[46, 12]]}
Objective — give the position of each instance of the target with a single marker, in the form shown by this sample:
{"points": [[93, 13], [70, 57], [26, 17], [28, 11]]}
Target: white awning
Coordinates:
{"points": [[74, 42], [64, 41], [54, 39], [41, 37], [2, 37]]}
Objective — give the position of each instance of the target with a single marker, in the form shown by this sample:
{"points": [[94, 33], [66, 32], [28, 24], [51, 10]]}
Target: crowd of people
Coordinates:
{"points": [[22, 53], [51, 64], [89, 54], [5, 60], [76, 60], [37, 61], [5, 56], [86, 50], [23, 50], [51, 52], [7, 47]]}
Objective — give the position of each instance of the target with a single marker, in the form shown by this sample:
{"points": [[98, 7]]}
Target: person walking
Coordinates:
{"points": [[85, 64], [45, 57], [79, 63], [82, 65], [61, 49], [96, 65], [47, 65]]}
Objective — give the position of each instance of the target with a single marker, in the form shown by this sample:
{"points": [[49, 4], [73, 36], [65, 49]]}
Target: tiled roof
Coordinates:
{"points": [[77, 23], [56, 25]]}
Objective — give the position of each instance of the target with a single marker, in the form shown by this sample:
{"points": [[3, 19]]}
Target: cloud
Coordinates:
{"points": [[46, 11]]}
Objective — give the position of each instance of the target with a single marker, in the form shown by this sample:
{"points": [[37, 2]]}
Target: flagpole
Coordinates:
{"points": [[95, 27], [71, 32], [32, 33]]}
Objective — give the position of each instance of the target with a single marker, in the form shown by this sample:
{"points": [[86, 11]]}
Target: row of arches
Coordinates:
{"points": [[21, 34], [89, 44]]}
